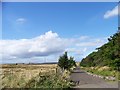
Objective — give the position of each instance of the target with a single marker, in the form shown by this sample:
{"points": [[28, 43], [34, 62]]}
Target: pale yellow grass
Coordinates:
{"points": [[19, 75], [103, 68], [100, 68]]}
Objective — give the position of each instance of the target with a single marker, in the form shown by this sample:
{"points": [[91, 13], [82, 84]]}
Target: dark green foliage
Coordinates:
{"points": [[115, 64], [71, 63], [106, 55], [66, 63], [63, 61]]}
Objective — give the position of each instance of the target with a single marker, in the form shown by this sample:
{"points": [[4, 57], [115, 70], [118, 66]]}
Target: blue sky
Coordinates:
{"points": [[83, 24], [67, 19]]}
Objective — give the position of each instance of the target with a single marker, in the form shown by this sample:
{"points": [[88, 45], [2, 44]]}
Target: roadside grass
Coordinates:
{"points": [[48, 80], [118, 76], [16, 76], [103, 72], [34, 76]]}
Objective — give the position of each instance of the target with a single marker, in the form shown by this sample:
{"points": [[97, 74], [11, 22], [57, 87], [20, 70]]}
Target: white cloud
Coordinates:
{"points": [[21, 20], [43, 45], [47, 45], [77, 51], [92, 42], [111, 13], [83, 37], [85, 49]]}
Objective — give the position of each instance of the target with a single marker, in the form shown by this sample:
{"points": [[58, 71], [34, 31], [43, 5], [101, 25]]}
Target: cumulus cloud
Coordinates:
{"points": [[21, 20], [111, 13], [46, 45]]}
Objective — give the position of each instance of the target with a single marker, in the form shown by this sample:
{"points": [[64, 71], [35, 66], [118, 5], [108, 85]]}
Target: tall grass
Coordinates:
{"points": [[49, 80], [32, 76], [103, 72]]}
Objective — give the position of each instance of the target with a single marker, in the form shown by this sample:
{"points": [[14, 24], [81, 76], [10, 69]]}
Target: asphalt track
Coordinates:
{"points": [[83, 80]]}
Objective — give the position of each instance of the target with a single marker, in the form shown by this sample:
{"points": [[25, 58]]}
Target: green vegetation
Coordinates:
{"points": [[106, 55], [108, 72], [66, 63], [102, 71], [48, 80]]}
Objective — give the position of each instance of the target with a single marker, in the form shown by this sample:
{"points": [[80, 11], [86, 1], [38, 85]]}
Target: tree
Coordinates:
{"points": [[71, 63], [65, 63]]}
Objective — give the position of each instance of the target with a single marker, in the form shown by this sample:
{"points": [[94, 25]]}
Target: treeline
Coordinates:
{"points": [[106, 55]]}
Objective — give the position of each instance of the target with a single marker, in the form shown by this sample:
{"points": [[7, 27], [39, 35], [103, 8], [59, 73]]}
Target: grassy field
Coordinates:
{"points": [[103, 71], [23, 75]]}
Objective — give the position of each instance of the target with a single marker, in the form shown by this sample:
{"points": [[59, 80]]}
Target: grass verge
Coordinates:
{"points": [[105, 72], [49, 80]]}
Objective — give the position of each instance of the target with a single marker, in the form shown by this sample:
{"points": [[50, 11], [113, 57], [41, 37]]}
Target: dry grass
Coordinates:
{"points": [[18, 75], [104, 71], [104, 68]]}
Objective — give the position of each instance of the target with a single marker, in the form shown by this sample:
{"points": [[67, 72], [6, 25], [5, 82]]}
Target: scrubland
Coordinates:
{"points": [[31, 76]]}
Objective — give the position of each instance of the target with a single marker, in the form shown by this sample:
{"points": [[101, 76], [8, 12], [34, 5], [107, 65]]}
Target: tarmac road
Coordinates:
{"points": [[83, 80]]}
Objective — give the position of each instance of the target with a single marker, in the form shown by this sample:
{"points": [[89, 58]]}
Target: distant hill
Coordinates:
{"points": [[106, 55]]}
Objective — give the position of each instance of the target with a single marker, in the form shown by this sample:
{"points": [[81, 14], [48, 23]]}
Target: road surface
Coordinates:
{"points": [[83, 80]]}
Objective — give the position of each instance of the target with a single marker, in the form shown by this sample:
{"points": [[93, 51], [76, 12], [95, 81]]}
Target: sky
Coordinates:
{"points": [[41, 32]]}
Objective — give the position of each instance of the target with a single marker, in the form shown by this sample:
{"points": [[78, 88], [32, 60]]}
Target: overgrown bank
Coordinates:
{"points": [[49, 80], [105, 72], [107, 55]]}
